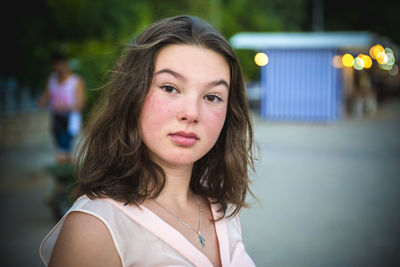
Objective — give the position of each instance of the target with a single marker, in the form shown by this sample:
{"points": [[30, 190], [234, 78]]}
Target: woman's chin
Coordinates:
{"points": [[177, 160]]}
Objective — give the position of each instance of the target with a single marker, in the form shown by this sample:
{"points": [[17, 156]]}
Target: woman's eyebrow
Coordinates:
{"points": [[219, 82], [183, 78], [173, 73]]}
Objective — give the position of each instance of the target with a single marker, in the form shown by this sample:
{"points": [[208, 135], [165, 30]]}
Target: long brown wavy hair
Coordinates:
{"points": [[113, 160]]}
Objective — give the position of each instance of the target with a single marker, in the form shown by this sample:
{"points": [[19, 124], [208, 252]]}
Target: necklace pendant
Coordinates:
{"points": [[202, 240]]}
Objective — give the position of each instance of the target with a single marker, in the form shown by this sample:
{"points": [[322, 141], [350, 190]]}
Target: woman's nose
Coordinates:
{"points": [[189, 111]]}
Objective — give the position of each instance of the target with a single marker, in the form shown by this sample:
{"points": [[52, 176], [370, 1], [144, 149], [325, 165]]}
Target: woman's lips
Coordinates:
{"points": [[184, 138]]}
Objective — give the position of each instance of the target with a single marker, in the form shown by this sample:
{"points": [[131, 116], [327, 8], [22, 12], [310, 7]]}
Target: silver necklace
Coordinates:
{"points": [[201, 238]]}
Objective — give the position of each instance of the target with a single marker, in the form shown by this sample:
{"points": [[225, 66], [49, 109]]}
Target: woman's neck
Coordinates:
{"points": [[177, 186]]}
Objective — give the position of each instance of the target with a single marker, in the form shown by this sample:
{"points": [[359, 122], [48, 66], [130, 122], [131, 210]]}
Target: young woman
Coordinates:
{"points": [[164, 165]]}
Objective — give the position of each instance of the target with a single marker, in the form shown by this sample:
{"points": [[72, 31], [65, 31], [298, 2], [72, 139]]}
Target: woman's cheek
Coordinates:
{"points": [[215, 121], [157, 110]]}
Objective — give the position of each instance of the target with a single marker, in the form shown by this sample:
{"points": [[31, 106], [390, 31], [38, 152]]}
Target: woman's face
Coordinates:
{"points": [[185, 108]]}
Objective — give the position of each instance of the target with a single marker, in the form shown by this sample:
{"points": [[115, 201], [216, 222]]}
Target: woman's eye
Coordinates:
{"points": [[169, 89], [213, 98]]}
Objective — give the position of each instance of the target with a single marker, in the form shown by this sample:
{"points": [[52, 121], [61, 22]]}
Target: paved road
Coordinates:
{"points": [[329, 195], [25, 217]]}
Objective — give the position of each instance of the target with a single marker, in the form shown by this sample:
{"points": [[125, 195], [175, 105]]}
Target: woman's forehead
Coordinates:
{"points": [[190, 61]]}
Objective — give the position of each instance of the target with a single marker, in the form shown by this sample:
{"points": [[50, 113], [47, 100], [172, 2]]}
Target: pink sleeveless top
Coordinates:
{"points": [[142, 238], [64, 93]]}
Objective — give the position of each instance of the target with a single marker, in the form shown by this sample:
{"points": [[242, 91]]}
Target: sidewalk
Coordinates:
{"points": [[25, 217], [25, 151], [329, 195]]}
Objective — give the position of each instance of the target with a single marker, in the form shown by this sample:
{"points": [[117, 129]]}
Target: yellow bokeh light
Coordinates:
{"points": [[348, 60], [375, 50], [382, 58], [367, 61], [261, 59]]}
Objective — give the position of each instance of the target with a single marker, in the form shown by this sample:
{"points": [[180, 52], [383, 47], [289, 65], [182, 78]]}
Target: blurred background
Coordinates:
{"points": [[323, 83]]}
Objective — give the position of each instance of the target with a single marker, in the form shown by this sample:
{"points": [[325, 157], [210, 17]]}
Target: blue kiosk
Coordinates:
{"points": [[300, 83]]}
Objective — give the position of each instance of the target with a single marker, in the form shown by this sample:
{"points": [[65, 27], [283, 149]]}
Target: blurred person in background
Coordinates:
{"points": [[65, 92], [365, 100]]}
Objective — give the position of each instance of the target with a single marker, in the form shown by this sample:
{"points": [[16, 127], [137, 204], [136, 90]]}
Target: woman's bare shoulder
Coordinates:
{"points": [[84, 240]]}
